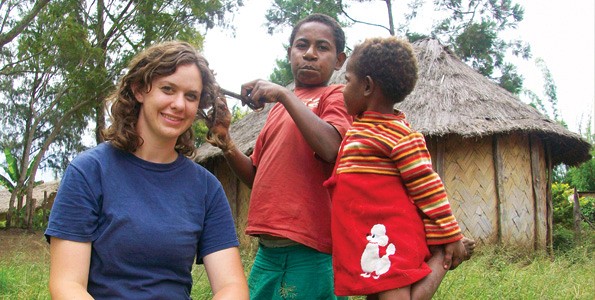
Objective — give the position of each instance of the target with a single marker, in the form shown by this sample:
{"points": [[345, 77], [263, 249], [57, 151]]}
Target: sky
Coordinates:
{"points": [[561, 32]]}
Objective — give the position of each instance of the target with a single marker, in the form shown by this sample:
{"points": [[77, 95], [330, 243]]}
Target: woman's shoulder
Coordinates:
{"points": [[100, 154]]}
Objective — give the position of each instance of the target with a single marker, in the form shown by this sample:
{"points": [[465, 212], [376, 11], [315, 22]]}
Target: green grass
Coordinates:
{"points": [[492, 273], [24, 277], [502, 274]]}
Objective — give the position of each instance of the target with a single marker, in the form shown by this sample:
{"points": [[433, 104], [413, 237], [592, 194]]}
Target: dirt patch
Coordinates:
{"points": [[31, 245]]}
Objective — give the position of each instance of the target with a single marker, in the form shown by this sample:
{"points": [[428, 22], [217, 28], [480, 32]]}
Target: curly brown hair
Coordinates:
{"points": [[159, 60], [390, 62]]}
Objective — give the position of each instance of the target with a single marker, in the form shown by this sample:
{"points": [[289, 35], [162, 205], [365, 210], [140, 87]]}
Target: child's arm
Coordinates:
{"points": [[219, 137], [322, 137], [427, 191]]}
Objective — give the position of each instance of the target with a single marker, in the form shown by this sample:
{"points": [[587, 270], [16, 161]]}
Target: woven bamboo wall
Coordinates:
{"points": [[468, 174], [497, 187], [517, 211]]}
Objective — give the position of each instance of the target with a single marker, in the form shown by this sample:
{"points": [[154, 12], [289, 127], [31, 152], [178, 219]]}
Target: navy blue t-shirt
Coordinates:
{"points": [[147, 222]]}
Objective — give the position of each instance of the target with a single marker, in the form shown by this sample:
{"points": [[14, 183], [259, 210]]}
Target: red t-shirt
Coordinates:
{"points": [[288, 199]]}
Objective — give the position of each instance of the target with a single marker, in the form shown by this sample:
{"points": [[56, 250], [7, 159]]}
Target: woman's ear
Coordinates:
{"points": [[136, 91], [370, 86]]}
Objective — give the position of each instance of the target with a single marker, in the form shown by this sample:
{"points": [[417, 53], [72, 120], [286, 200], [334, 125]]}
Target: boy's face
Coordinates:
{"points": [[313, 55]]}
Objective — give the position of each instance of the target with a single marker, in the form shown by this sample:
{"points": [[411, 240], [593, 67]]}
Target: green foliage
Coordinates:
{"points": [[11, 169], [282, 73], [583, 176], [563, 215], [562, 205], [286, 13], [62, 67], [472, 29], [549, 105], [588, 209]]}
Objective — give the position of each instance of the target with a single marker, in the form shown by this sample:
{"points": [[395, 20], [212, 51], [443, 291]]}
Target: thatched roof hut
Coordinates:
{"points": [[494, 152]]}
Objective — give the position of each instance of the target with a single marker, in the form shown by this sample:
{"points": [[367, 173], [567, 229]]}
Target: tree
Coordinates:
{"points": [[66, 62], [12, 171], [471, 28], [11, 19], [549, 107]]}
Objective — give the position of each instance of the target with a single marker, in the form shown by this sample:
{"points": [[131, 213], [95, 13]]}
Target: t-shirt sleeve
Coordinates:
{"points": [[332, 109], [219, 230], [426, 190], [76, 210]]}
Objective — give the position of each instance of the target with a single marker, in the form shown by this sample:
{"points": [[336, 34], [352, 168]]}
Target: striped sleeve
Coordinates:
{"points": [[426, 189]]}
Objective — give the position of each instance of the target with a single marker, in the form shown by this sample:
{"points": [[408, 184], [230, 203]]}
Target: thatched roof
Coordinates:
{"points": [[451, 98], [38, 193]]}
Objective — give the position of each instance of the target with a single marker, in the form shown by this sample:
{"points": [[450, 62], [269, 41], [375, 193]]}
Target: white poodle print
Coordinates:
{"points": [[372, 263]]}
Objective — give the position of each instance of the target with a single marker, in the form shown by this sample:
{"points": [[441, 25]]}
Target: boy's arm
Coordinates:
{"points": [[219, 137], [322, 137]]}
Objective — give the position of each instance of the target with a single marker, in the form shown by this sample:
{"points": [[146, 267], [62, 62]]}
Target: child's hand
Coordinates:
{"points": [[454, 254], [262, 91]]}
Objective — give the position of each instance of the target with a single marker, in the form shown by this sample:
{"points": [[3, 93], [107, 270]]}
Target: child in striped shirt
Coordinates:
{"points": [[392, 224]]}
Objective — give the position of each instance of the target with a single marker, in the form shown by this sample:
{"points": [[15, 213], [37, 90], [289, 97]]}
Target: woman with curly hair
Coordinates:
{"points": [[133, 214]]}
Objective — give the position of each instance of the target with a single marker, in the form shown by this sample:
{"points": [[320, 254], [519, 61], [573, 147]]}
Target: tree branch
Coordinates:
{"points": [[362, 22], [22, 24]]}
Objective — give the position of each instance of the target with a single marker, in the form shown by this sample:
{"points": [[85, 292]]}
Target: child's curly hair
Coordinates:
{"points": [[390, 62], [156, 61]]}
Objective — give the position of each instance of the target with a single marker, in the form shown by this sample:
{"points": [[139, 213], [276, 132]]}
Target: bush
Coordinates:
{"points": [[562, 213], [563, 238], [588, 209]]}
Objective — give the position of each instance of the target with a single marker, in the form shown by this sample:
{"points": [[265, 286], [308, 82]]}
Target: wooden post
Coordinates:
{"points": [[499, 174], [576, 212]]}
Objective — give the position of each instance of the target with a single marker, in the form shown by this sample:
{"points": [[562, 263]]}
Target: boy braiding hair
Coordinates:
{"points": [[380, 242], [294, 154]]}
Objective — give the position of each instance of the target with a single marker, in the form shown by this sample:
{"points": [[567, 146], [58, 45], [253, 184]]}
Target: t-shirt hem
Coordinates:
{"points": [[67, 236], [219, 247]]}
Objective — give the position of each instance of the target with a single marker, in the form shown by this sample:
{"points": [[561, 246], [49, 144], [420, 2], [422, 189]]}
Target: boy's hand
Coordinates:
{"points": [[454, 254], [261, 91], [218, 121]]}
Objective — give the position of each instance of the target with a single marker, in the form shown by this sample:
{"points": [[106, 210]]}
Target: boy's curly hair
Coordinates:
{"points": [[390, 62], [338, 32], [156, 61]]}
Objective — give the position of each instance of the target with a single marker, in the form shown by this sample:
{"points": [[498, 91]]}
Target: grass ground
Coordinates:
{"points": [[492, 273]]}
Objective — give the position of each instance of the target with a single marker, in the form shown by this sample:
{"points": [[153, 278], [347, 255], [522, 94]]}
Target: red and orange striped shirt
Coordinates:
{"points": [[385, 144]]}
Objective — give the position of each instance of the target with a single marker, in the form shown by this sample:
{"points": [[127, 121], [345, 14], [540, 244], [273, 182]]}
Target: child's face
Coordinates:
{"points": [[313, 55], [354, 91]]}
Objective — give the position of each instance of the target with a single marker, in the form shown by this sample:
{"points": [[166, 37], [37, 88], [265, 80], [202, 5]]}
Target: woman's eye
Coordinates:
{"points": [[167, 89], [192, 97]]}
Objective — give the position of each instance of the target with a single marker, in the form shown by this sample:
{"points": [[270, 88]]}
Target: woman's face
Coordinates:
{"points": [[170, 107]]}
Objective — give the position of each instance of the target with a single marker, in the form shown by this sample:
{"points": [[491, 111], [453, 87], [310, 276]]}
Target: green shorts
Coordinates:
{"points": [[294, 272]]}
